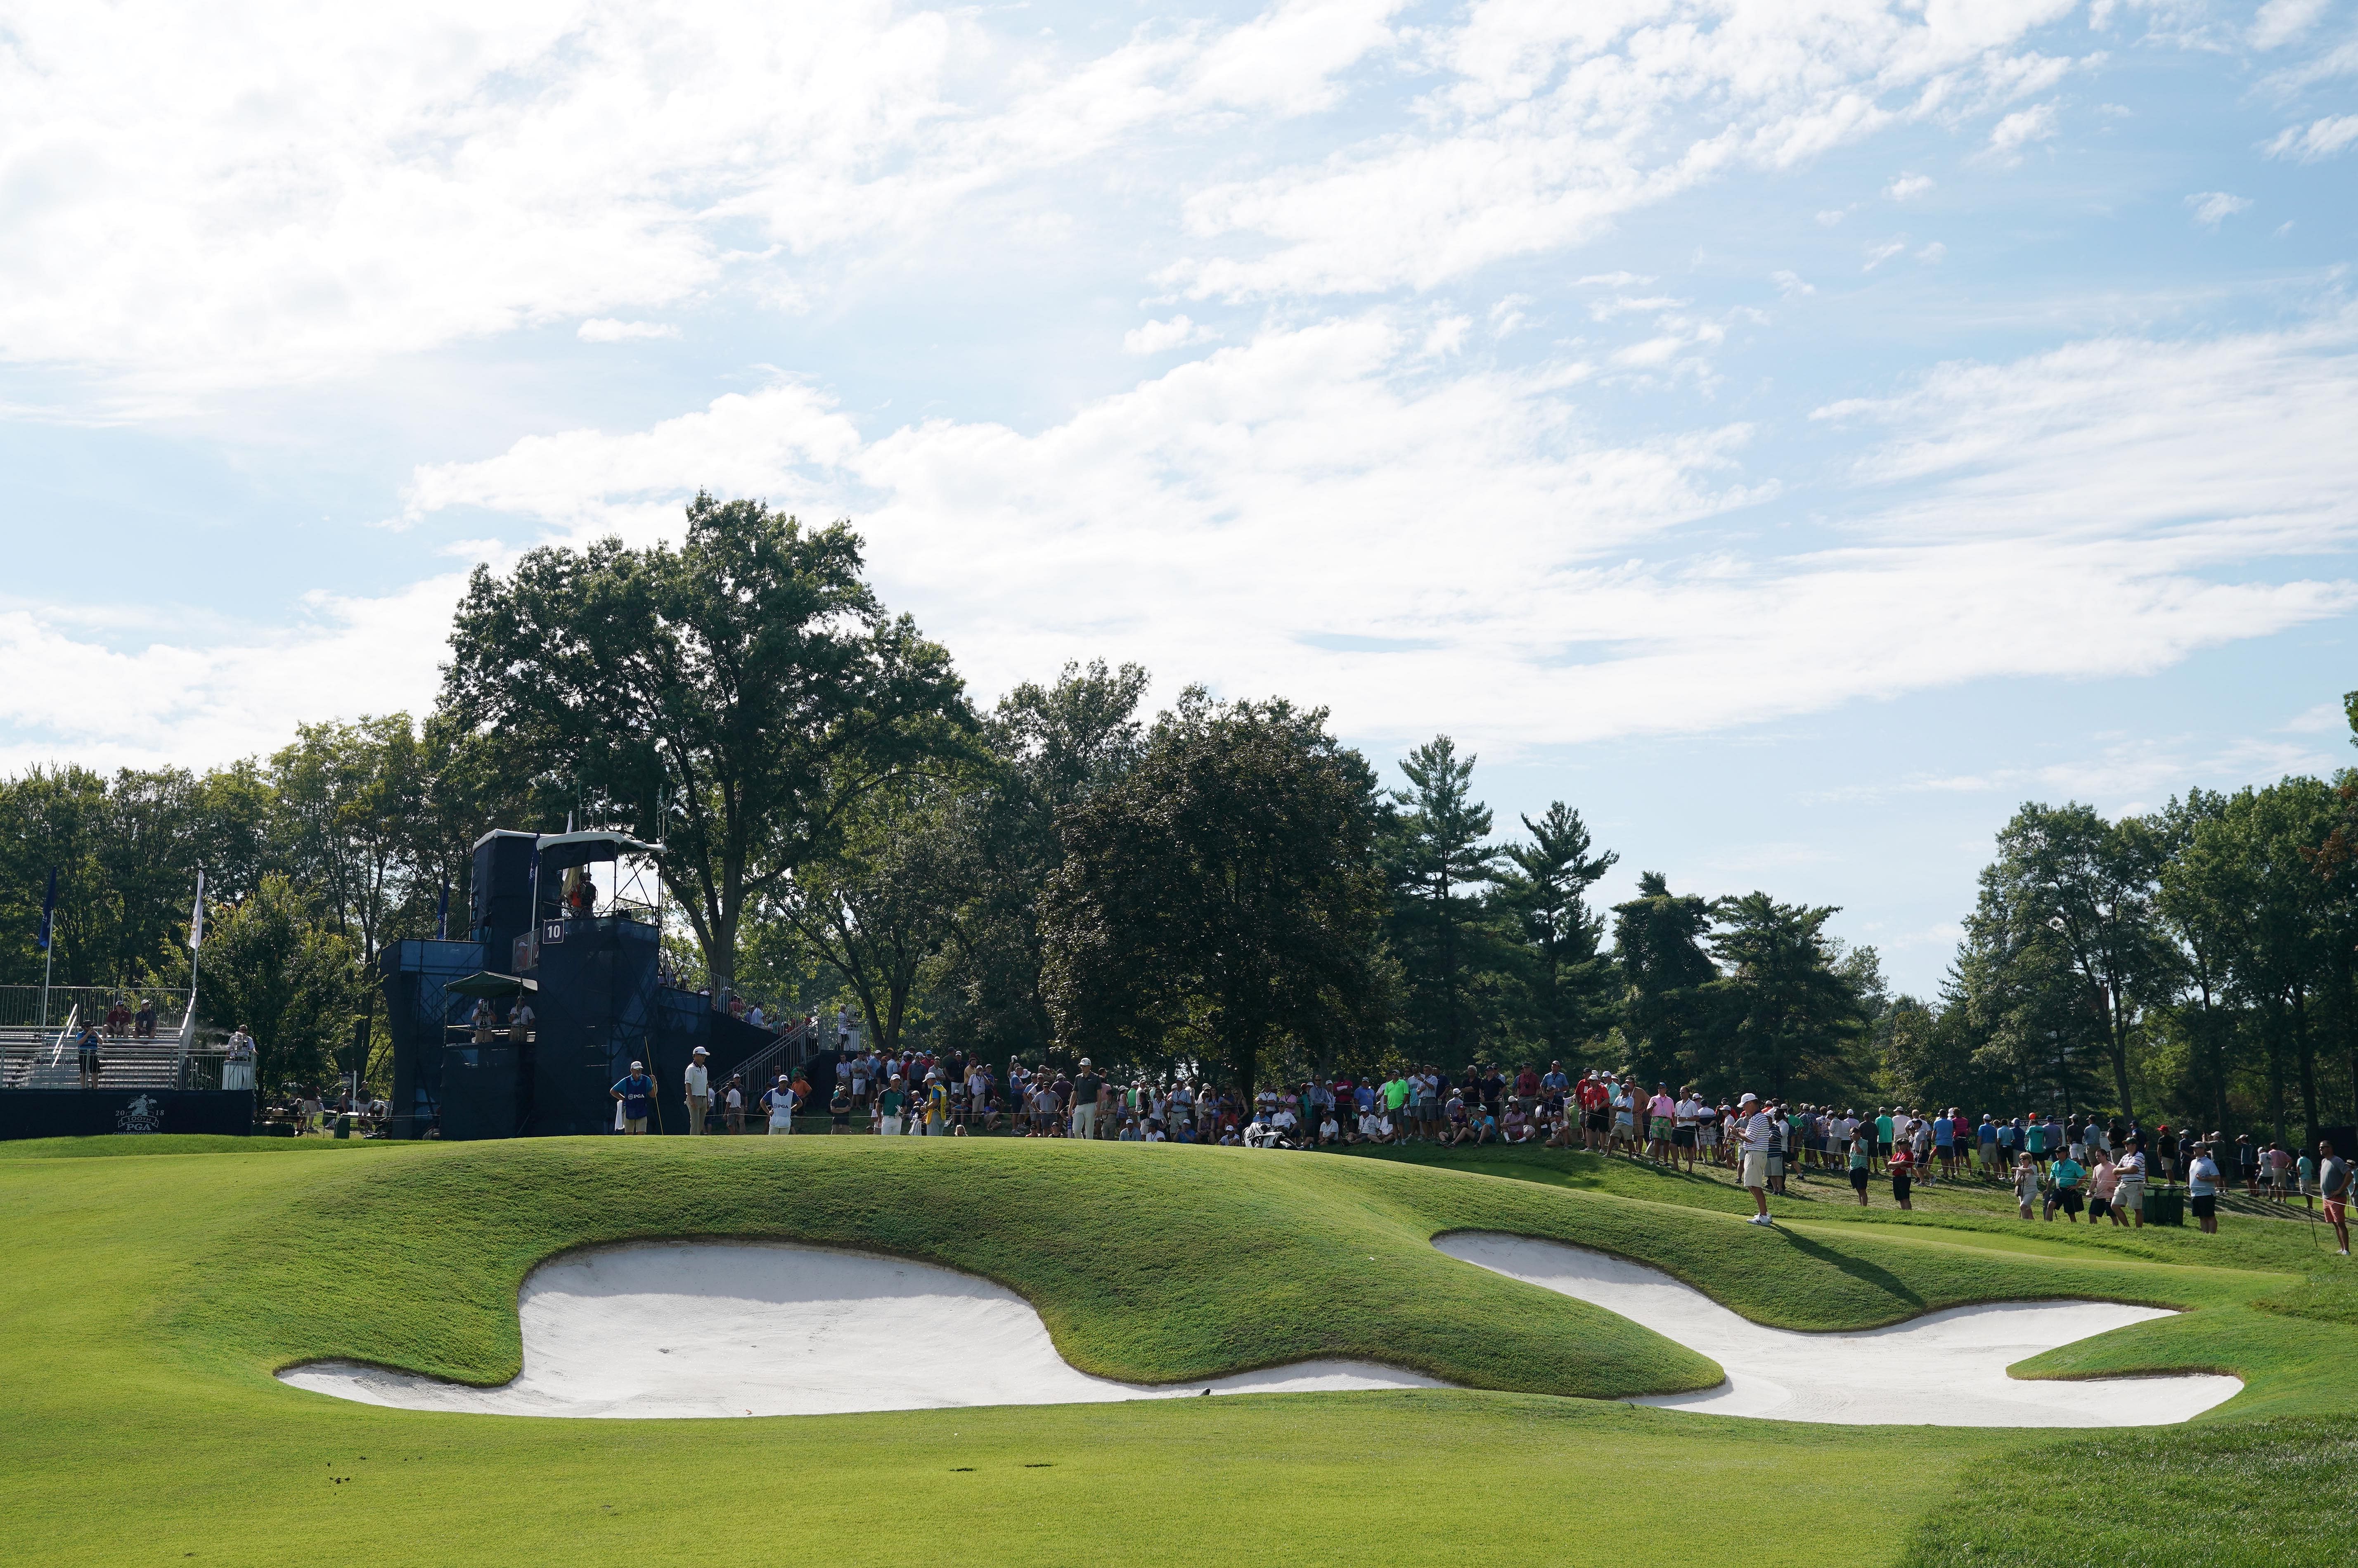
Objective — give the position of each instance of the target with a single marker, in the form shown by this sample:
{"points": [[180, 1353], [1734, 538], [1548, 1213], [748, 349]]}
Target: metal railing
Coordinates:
{"points": [[20, 1006], [36, 1062], [759, 1068]]}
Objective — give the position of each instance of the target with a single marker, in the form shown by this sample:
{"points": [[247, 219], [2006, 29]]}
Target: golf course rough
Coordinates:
{"points": [[159, 1290]]}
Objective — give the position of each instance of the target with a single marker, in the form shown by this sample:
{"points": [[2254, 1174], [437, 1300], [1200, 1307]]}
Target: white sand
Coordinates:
{"points": [[1945, 1369], [738, 1329]]}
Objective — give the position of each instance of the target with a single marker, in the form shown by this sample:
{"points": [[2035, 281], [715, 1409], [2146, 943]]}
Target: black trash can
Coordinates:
{"points": [[2164, 1206]]}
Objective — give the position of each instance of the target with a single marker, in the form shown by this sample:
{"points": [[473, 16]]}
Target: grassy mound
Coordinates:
{"points": [[159, 1293]]}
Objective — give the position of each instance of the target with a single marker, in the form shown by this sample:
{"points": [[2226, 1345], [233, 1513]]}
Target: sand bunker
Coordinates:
{"points": [[1945, 1369], [738, 1329]]}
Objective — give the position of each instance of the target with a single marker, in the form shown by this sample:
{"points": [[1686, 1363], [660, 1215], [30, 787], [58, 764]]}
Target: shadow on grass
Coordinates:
{"points": [[1858, 1268]]}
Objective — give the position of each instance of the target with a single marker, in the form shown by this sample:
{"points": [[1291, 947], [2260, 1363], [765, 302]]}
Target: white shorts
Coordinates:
{"points": [[1756, 1169], [891, 1126]]}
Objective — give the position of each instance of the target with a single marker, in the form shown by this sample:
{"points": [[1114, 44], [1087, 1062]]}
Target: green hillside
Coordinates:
{"points": [[156, 1294]]}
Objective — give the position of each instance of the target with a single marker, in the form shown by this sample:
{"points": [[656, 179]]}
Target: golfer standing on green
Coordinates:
{"points": [[698, 1085], [1086, 1085], [1760, 1132]]}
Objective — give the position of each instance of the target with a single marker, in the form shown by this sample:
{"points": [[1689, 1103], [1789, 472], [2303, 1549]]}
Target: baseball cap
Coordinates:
{"points": [[638, 1066], [1748, 1099]]}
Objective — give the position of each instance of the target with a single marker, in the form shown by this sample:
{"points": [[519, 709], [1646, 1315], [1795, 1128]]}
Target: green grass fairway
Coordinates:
{"points": [[156, 1284]]}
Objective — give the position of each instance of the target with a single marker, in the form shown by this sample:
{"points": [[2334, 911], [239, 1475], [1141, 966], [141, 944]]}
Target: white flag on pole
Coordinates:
{"points": [[197, 919]]}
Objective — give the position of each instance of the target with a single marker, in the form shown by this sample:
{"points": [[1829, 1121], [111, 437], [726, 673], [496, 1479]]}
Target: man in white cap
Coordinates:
{"points": [[636, 1092], [1759, 1133], [779, 1101], [699, 1092], [1086, 1084]]}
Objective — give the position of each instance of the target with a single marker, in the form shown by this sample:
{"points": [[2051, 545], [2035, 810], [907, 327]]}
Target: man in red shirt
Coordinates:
{"points": [[1527, 1087], [1595, 1112]]}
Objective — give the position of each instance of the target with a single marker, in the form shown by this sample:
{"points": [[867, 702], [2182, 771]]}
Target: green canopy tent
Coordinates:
{"points": [[483, 983]]}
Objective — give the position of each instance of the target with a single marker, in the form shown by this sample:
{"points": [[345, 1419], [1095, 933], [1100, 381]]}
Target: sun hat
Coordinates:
{"points": [[699, 1051]]}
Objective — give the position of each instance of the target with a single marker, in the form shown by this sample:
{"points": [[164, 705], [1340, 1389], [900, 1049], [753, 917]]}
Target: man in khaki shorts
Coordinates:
{"points": [[1759, 1131]]}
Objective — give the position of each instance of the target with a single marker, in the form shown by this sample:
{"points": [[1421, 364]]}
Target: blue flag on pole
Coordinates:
{"points": [[48, 909]]}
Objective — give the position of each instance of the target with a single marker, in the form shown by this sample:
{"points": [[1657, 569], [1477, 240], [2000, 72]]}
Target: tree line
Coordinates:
{"points": [[1223, 886], [2192, 965]]}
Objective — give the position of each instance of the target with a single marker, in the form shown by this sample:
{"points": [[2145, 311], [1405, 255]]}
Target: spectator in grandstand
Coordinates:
{"points": [[237, 1068], [86, 1057]]}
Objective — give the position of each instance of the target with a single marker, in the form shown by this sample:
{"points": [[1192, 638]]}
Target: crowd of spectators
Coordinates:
{"points": [[2068, 1165]]}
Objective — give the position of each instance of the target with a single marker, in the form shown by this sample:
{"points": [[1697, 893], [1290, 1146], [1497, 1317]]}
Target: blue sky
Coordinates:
{"points": [[1793, 434]]}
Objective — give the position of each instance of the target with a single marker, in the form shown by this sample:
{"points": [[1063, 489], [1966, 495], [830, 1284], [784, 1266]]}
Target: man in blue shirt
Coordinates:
{"points": [[2065, 1194], [1554, 1082], [635, 1092], [1944, 1142]]}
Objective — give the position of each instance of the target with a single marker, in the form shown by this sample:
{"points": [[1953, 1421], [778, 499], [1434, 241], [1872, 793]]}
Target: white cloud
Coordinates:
{"points": [[1551, 122], [1878, 254], [1789, 284], [2123, 774], [1832, 216], [2281, 22], [2319, 138], [2325, 718], [1160, 337], [1206, 520], [2212, 208], [1932, 252], [1908, 185], [2104, 509], [205, 700], [2019, 130], [244, 195], [606, 329]]}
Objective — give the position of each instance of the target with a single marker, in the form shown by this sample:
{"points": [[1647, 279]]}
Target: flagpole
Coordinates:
{"points": [[189, 1017], [49, 941]]}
